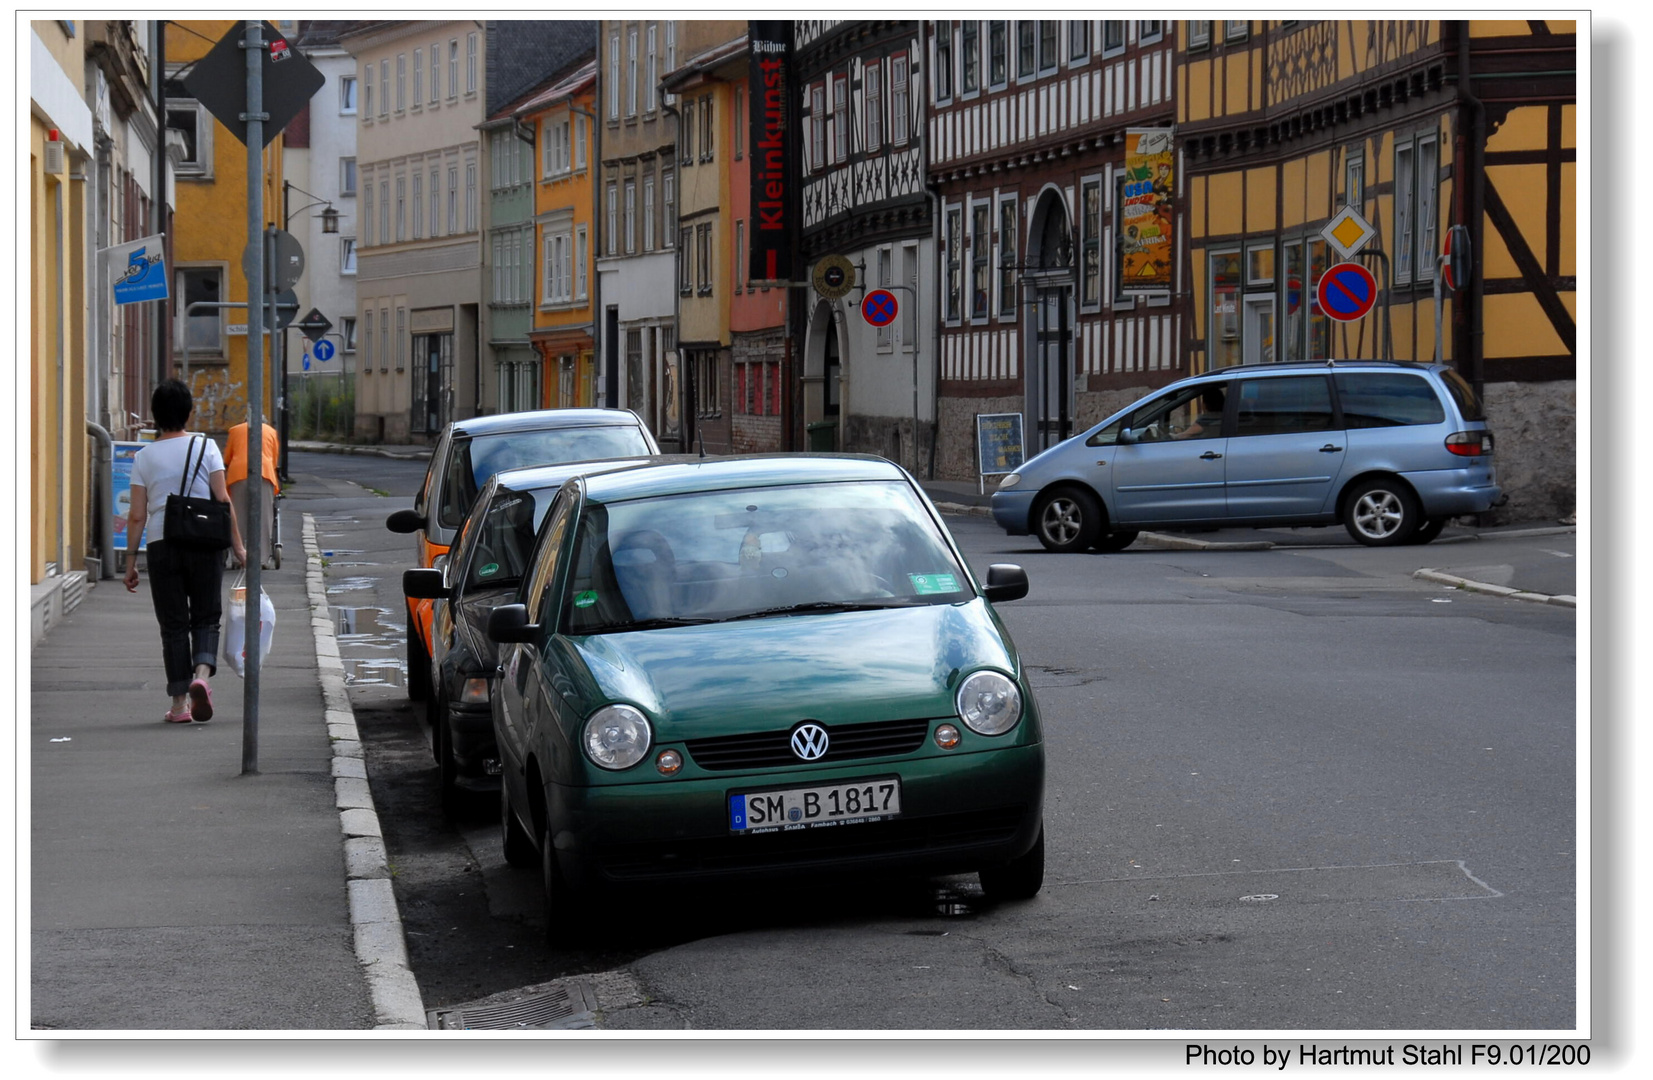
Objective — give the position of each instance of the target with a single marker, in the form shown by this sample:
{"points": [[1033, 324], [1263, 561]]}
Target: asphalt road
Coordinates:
{"points": [[1289, 790]]}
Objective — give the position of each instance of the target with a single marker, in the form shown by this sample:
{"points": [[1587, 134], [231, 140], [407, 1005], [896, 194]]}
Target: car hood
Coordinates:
{"points": [[763, 674]]}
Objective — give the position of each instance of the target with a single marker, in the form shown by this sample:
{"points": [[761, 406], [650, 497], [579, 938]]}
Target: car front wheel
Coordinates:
{"points": [[1068, 519], [562, 907], [1381, 513], [1020, 878]]}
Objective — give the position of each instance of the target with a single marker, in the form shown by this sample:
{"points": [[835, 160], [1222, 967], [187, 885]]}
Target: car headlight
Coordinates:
{"points": [[1010, 480], [617, 737], [989, 703]]}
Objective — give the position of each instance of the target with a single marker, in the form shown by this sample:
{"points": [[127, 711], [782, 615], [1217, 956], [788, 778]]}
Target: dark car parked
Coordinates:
{"points": [[483, 569]]}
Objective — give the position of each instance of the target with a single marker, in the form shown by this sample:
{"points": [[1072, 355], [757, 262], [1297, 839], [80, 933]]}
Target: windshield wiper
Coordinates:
{"points": [[647, 624], [818, 607]]}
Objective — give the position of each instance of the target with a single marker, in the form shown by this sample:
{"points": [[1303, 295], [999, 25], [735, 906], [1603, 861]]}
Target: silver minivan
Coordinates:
{"points": [[1391, 449]]}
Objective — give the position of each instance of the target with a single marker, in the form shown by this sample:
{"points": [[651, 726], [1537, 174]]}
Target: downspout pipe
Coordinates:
{"points": [[1475, 212], [935, 328], [103, 509]]}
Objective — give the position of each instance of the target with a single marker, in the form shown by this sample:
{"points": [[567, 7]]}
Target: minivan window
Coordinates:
{"points": [[1190, 412], [1463, 395], [1279, 406], [1384, 399]]}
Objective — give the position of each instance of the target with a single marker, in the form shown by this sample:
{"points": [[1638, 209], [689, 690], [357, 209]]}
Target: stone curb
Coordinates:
{"points": [[381, 947], [1494, 590], [412, 453]]}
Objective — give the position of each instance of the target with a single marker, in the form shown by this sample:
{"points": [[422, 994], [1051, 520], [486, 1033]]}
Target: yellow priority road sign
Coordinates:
{"points": [[1348, 232]]}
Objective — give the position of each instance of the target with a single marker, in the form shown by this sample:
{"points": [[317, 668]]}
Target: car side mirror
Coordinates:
{"points": [[1005, 581], [422, 583], [405, 521], [509, 623], [1127, 437]]}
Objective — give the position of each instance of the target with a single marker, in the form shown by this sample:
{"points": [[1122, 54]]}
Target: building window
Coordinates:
{"points": [[367, 90], [1007, 256], [685, 250], [648, 213], [347, 333], [614, 76], [194, 127], [651, 90], [401, 338], [738, 122], [740, 255], [384, 339], [703, 258], [1199, 34], [367, 214], [1149, 31], [418, 77], [708, 125], [1090, 233], [981, 279], [1079, 39], [969, 57], [840, 118], [435, 201], [367, 342], [579, 141], [944, 60], [347, 254], [898, 100], [1405, 221], [453, 69], [453, 199], [582, 258], [401, 82], [1428, 195], [347, 176], [401, 208], [706, 383], [612, 208], [886, 333], [471, 206], [998, 44], [1354, 181], [669, 194], [873, 82], [631, 217], [1222, 344], [685, 135], [1236, 29], [558, 281], [418, 205], [1113, 36], [347, 95], [631, 72], [200, 331], [955, 271], [470, 63], [556, 157], [1049, 32], [384, 211], [671, 51], [817, 126]]}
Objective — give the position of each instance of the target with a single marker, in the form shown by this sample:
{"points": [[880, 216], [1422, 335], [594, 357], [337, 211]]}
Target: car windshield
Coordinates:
{"points": [[476, 461], [757, 552], [505, 537]]}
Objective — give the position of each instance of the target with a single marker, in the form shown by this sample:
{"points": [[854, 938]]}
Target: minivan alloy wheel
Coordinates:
{"points": [[1380, 514], [1068, 519]]}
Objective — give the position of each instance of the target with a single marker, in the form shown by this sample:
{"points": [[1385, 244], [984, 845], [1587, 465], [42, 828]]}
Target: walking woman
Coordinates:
{"points": [[185, 581]]}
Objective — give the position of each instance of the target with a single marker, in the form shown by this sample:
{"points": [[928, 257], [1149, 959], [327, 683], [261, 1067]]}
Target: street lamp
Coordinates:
{"points": [[329, 226]]}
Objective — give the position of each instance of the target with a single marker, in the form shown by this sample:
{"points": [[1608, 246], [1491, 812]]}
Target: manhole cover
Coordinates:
{"points": [[564, 1006]]}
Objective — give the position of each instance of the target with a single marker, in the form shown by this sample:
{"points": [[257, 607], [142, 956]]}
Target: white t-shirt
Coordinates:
{"points": [[159, 469]]}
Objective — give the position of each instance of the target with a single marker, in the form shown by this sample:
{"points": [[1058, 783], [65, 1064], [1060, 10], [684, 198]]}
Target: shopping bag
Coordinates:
{"points": [[235, 626]]}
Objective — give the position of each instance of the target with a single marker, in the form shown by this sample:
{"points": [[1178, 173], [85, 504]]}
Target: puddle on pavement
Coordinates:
{"points": [[374, 673], [371, 629], [351, 584]]}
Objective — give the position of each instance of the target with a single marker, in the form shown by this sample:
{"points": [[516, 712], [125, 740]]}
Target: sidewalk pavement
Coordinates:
{"points": [[170, 890]]}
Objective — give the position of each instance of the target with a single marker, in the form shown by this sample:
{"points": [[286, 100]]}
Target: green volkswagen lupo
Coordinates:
{"points": [[770, 666]]}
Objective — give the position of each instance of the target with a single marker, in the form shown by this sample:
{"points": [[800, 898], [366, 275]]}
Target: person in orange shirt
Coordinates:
{"points": [[235, 474]]}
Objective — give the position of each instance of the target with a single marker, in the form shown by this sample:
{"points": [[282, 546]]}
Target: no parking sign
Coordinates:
{"points": [[1347, 291], [879, 307]]}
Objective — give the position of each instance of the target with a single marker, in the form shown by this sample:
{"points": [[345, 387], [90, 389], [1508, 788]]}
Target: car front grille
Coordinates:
{"points": [[770, 749]]}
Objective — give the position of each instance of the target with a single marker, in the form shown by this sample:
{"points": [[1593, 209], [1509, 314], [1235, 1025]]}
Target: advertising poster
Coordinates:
{"points": [[999, 442], [121, 490], [1145, 221], [771, 140]]}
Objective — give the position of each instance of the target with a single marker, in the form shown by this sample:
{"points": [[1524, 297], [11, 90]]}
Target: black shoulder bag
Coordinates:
{"points": [[201, 524]]}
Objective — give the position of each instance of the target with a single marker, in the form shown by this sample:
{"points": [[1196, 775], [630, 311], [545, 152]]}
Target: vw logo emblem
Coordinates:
{"points": [[809, 742]]}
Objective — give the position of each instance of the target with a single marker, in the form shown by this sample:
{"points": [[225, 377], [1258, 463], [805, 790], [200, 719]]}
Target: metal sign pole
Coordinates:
{"points": [[251, 531]]}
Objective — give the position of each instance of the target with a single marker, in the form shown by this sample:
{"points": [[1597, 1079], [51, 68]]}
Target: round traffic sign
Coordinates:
{"points": [[323, 350], [1347, 291], [879, 307]]}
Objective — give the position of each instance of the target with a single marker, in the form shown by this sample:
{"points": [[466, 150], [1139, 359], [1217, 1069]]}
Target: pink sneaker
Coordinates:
{"points": [[200, 700], [177, 716]]}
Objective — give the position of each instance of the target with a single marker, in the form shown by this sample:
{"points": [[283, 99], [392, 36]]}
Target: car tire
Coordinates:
{"points": [[519, 849], [1381, 513], [1430, 529], [418, 663], [447, 768], [1067, 519], [561, 906], [1115, 541], [1019, 879]]}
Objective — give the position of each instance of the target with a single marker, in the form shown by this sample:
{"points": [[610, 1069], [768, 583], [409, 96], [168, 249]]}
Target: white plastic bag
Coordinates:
{"points": [[235, 626]]}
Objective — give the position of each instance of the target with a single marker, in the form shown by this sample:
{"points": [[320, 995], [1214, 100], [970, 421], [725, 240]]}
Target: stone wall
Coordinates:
{"points": [[1535, 449], [956, 434], [891, 437]]}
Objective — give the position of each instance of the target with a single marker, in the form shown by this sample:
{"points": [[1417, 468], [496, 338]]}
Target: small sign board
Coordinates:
{"points": [[1347, 291], [315, 325], [121, 491], [879, 308], [998, 443], [833, 277], [219, 81], [1348, 232]]}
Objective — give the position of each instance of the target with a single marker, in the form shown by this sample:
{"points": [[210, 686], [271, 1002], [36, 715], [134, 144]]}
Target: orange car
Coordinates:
{"points": [[468, 454]]}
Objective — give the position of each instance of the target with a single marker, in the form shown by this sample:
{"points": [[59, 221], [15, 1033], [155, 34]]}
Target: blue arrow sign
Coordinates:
{"points": [[323, 350]]}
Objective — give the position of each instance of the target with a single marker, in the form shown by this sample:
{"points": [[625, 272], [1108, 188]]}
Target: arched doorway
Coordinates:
{"points": [[822, 382], [1049, 279]]}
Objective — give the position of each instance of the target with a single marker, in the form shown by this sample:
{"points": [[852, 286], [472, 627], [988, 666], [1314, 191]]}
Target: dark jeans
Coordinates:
{"points": [[186, 585]]}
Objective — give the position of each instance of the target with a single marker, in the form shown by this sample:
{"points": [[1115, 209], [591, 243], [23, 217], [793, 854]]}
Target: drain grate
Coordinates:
{"points": [[564, 1006]]}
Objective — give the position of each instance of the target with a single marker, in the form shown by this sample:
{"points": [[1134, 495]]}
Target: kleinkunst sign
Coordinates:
{"points": [[772, 201]]}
